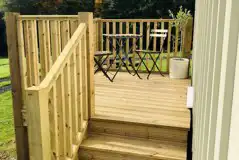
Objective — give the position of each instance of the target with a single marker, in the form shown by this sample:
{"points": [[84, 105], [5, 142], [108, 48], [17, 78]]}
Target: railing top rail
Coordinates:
{"points": [[61, 61], [135, 20], [48, 17]]}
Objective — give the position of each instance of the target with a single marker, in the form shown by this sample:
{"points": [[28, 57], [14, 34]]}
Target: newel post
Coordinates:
{"points": [[38, 124], [187, 38], [87, 17], [17, 95]]}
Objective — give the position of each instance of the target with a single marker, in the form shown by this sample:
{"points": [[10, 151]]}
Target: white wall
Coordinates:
{"points": [[214, 73]]}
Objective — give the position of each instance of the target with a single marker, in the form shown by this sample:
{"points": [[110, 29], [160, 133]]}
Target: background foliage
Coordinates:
{"points": [[143, 8], [109, 9]]}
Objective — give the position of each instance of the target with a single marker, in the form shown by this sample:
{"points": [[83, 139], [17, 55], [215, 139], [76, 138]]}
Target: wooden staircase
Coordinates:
{"points": [[122, 140]]}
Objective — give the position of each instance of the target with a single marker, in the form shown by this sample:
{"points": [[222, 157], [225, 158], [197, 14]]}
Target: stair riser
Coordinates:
{"points": [[139, 131], [89, 154]]}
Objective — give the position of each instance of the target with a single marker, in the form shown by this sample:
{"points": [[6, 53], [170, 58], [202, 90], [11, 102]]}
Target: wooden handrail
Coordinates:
{"points": [[135, 20], [55, 103], [45, 17], [58, 66]]}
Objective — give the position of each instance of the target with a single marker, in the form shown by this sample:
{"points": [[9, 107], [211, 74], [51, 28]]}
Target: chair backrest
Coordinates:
{"points": [[159, 33]]}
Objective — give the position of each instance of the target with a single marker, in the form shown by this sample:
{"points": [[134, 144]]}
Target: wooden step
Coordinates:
{"points": [[139, 130], [112, 147]]}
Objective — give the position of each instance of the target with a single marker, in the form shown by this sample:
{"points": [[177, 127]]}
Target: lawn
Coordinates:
{"points": [[7, 136], [149, 63], [7, 142], [4, 67]]}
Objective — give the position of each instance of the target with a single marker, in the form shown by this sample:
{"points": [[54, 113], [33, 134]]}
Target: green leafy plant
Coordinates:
{"points": [[180, 20]]}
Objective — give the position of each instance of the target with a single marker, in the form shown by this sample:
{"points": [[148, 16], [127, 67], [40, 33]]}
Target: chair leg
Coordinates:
{"points": [[154, 64], [141, 61]]}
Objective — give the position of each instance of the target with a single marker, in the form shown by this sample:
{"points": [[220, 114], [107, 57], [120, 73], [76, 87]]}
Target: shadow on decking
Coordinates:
{"points": [[158, 101]]}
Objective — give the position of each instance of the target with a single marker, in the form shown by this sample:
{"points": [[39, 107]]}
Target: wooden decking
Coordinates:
{"points": [[157, 101]]}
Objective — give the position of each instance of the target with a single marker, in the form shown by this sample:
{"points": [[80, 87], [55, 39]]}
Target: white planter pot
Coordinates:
{"points": [[178, 68]]}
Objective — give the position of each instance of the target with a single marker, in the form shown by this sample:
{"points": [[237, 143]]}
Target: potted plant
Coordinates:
{"points": [[179, 66]]}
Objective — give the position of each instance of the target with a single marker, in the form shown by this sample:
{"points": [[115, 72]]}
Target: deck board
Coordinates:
{"points": [[157, 101]]}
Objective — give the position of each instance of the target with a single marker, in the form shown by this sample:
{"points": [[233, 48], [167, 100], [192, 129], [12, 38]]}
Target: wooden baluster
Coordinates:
{"points": [[127, 42], [34, 53], [79, 86], [134, 43], [155, 45], [101, 35], [84, 74], [68, 109], [48, 45], [141, 42], [169, 42], [161, 48], [73, 27], [54, 41], [65, 33], [61, 118], [74, 103], [53, 110], [121, 43], [114, 45], [59, 35], [43, 51], [27, 52], [147, 42], [107, 42]]}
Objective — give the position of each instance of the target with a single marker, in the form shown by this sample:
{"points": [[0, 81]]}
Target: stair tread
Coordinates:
{"points": [[156, 149]]}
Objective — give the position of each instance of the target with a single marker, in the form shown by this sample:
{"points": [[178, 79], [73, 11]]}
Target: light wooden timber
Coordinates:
{"points": [[158, 101], [136, 20], [108, 147], [100, 125], [48, 17]]}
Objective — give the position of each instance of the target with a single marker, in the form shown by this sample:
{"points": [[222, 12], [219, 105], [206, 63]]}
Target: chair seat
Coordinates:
{"points": [[148, 51], [102, 53]]}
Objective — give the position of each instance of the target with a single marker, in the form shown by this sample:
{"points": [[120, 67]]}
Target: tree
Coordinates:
{"points": [[49, 6], [142, 8]]}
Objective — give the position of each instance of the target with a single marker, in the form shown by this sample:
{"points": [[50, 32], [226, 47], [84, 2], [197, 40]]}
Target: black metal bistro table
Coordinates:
{"points": [[121, 40]]}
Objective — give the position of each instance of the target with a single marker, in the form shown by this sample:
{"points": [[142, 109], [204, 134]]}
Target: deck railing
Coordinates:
{"points": [[61, 96], [56, 81], [173, 46], [51, 59]]}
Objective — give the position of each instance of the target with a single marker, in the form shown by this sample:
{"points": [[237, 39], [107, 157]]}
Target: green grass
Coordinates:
{"points": [[4, 67], [4, 83], [4, 71], [7, 142], [3, 61], [149, 63]]}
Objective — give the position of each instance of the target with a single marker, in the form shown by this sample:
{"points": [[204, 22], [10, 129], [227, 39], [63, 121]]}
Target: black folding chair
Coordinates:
{"points": [[157, 33], [100, 58]]}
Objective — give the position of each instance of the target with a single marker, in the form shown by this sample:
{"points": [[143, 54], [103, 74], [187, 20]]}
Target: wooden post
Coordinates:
{"points": [[98, 34], [38, 124], [13, 53], [87, 17], [187, 38]]}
